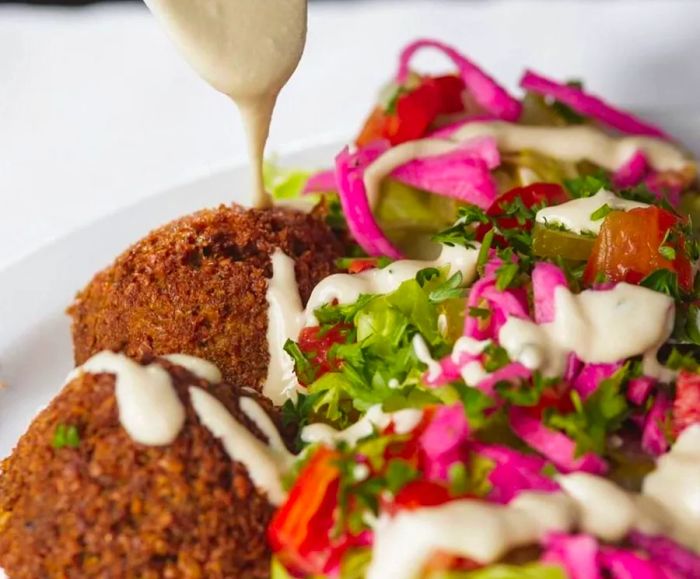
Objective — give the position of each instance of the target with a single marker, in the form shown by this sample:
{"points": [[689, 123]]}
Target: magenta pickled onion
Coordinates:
{"points": [[665, 186], [578, 554], [639, 389], [486, 92], [589, 105], [624, 564], [513, 472], [546, 278], [668, 553], [443, 441], [591, 375], [500, 303], [573, 367], [513, 372], [353, 197], [449, 372], [632, 171], [320, 182], [654, 440], [554, 445], [462, 174]]}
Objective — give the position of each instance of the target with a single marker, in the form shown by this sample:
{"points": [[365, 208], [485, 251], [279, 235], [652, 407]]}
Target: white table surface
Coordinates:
{"points": [[97, 110]]}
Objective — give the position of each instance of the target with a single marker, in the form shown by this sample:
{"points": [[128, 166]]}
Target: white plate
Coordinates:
{"points": [[35, 345]]}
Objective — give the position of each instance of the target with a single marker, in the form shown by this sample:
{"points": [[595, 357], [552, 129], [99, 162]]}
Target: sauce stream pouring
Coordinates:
{"points": [[246, 49]]}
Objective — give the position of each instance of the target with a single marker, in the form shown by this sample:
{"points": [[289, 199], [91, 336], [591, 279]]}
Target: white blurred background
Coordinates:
{"points": [[98, 111]]}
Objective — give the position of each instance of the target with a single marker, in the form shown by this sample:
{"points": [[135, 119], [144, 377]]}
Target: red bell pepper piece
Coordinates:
{"points": [[414, 111], [362, 264], [420, 493], [531, 196], [686, 405], [299, 532]]}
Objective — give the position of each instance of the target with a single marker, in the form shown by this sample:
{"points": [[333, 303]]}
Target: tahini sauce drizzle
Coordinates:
{"points": [[485, 531], [246, 49], [152, 414], [374, 419], [597, 326], [676, 483], [576, 214], [149, 407], [571, 144], [263, 462], [347, 288], [285, 319], [201, 368]]}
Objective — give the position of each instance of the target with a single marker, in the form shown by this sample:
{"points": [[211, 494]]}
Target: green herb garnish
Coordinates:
{"points": [[66, 435]]}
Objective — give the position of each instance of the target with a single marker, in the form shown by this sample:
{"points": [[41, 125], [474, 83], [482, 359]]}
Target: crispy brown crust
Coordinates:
{"points": [[115, 508], [197, 286]]}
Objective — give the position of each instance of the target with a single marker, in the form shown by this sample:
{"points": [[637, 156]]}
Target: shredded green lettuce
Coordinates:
{"points": [[277, 570], [354, 564], [284, 183], [531, 571], [377, 364]]}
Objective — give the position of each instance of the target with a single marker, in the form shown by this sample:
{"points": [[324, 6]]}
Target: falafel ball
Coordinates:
{"points": [[94, 503], [198, 286]]}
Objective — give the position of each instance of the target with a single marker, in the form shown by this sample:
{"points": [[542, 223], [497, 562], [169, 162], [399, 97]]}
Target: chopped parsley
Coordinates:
{"points": [[640, 193], [601, 212], [680, 361], [525, 393], [667, 252], [378, 262], [66, 436], [425, 275], [303, 367], [506, 275], [588, 185], [452, 288], [593, 419], [664, 281]]}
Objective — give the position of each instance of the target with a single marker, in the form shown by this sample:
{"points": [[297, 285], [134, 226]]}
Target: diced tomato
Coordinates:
{"points": [[443, 561], [552, 398], [415, 111], [420, 493], [299, 533], [314, 341], [686, 405], [362, 264], [450, 89], [531, 195], [627, 248]]}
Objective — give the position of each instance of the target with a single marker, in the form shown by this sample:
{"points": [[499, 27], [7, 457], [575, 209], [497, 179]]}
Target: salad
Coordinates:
{"points": [[504, 382]]}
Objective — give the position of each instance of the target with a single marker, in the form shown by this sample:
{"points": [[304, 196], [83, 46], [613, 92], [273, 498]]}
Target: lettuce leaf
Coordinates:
{"points": [[378, 364], [531, 571], [285, 183]]}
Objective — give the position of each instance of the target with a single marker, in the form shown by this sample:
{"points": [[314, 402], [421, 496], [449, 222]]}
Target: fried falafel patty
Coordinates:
{"points": [[198, 286], [80, 498]]}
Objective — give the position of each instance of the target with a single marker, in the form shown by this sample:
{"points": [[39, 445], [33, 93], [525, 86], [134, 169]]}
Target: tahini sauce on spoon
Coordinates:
{"points": [[246, 49]]}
